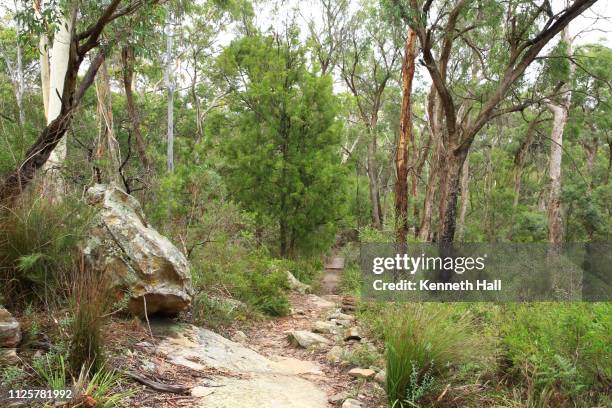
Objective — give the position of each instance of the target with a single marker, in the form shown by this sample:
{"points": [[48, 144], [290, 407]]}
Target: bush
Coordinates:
{"points": [[90, 304], [38, 245], [215, 312], [428, 339], [250, 278], [559, 351]]}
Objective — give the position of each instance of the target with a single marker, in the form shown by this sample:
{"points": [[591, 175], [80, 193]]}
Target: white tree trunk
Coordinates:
{"points": [[57, 73], [43, 50], [560, 113], [169, 82], [20, 85]]}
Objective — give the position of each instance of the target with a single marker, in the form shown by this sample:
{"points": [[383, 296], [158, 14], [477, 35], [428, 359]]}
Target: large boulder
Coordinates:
{"points": [[10, 336], [10, 332], [140, 261]]}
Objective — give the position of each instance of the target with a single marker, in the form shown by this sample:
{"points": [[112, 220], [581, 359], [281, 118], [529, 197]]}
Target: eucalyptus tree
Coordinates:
{"points": [[405, 138], [326, 39], [82, 35], [560, 109], [14, 61], [507, 38], [371, 57]]}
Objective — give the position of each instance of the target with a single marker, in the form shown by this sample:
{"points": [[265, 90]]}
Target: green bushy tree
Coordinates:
{"points": [[282, 142]]}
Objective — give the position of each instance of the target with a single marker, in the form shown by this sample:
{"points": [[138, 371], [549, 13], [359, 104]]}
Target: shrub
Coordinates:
{"points": [[251, 278], [215, 312], [558, 350], [428, 339], [38, 242], [351, 280], [90, 302]]}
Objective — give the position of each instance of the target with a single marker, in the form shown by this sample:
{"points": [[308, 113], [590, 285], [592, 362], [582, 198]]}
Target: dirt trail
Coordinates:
{"points": [[331, 275], [261, 368]]}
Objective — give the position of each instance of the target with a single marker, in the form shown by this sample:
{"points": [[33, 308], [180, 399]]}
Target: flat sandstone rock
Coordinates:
{"points": [[252, 381]]}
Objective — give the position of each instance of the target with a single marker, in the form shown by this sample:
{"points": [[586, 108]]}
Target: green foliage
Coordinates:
{"points": [[281, 147], [216, 312], [38, 245], [12, 376], [429, 338], [559, 349], [419, 385], [351, 280], [362, 355], [52, 370], [104, 386], [91, 299]]}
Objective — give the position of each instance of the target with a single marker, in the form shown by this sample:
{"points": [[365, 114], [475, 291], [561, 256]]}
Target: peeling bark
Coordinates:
{"points": [[405, 137]]}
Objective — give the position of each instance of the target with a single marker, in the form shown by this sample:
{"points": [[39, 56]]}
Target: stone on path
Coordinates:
{"points": [[307, 339], [264, 391], [10, 336], [8, 356], [239, 337], [338, 398], [343, 323], [351, 403], [362, 373], [352, 334], [337, 315], [334, 355], [335, 262], [381, 377], [325, 327], [319, 302], [296, 285]]}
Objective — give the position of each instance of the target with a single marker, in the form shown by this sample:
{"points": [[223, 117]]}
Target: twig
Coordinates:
{"points": [[157, 386], [144, 300], [443, 393]]}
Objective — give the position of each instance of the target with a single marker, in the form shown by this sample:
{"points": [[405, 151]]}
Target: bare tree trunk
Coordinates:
{"points": [[555, 233], [373, 181], [465, 196], [449, 194], [405, 136], [107, 127], [127, 56], [607, 178], [520, 158], [560, 113], [435, 129], [54, 184], [169, 81], [15, 70], [591, 153]]}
